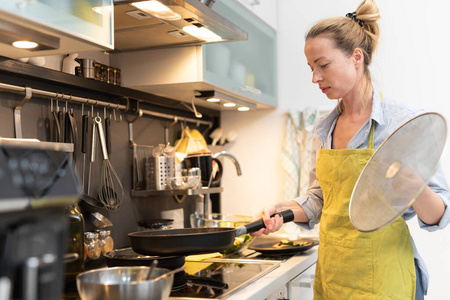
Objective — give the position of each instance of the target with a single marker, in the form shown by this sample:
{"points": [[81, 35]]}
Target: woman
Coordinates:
{"points": [[383, 264]]}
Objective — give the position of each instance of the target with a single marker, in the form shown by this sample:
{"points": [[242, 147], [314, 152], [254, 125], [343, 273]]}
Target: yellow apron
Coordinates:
{"points": [[353, 264]]}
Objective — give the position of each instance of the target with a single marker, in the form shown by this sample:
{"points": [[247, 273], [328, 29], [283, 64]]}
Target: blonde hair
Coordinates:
{"points": [[348, 34]]}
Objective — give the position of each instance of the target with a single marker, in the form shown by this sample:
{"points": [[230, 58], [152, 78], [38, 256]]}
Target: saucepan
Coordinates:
{"points": [[193, 240], [123, 283]]}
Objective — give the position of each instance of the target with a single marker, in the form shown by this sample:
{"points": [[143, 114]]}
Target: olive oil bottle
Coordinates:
{"points": [[74, 251]]}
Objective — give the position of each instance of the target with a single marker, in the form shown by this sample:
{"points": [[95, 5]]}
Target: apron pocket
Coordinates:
{"points": [[345, 268]]}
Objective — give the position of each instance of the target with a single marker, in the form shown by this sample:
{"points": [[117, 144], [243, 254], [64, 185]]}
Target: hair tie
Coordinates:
{"points": [[354, 18]]}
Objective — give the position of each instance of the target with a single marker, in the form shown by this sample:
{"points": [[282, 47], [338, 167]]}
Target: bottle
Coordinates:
{"points": [[74, 250], [69, 63]]}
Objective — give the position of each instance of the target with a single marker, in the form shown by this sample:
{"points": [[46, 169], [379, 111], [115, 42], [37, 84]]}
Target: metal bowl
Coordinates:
{"points": [[123, 283]]}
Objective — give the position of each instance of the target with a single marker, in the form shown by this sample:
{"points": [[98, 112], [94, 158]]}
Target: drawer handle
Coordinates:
{"points": [[305, 281], [251, 89]]}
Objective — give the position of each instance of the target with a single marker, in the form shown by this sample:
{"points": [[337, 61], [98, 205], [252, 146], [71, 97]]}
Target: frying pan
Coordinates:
{"points": [[398, 172], [193, 240]]}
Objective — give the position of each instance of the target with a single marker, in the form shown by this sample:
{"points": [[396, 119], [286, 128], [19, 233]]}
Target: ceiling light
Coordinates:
{"points": [[213, 99], [157, 10], [202, 33], [229, 104], [25, 44], [243, 108]]}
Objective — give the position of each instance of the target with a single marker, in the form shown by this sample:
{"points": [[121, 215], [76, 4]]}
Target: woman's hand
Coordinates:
{"points": [[274, 224]]}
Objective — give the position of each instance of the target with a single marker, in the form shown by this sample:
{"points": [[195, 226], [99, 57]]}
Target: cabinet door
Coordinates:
{"points": [[88, 20], [301, 287], [245, 67]]}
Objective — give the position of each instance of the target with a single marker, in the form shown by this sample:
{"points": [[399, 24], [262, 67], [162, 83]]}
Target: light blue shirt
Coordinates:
{"points": [[388, 115]]}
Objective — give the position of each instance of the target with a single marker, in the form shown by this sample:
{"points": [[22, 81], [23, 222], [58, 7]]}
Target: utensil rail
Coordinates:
{"points": [[88, 101]]}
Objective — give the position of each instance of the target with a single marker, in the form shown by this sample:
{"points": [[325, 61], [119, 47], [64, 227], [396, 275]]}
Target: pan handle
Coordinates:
{"points": [[288, 216]]}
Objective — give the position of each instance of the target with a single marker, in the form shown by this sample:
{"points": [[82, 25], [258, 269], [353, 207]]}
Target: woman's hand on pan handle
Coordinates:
{"points": [[274, 223]]}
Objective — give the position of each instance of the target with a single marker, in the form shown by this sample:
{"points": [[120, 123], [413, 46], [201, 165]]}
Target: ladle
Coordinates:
{"points": [[153, 265]]}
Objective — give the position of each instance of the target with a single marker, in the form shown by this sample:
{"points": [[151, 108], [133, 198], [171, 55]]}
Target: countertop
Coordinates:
{"points": [[271, 282]]}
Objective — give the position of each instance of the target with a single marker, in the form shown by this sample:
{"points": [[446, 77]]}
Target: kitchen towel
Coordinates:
{"points": [[295, 156]]}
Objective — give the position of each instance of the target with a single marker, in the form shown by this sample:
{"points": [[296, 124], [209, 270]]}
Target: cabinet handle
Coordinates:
{"points": [[305, 281], [251, 89]]}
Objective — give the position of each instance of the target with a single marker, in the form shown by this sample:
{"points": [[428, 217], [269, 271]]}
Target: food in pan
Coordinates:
{"points": [[286, 244], [239, 242]]}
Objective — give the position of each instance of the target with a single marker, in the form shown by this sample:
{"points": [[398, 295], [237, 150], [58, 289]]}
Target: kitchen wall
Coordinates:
{"points": [[35, 116], [411, 64]]}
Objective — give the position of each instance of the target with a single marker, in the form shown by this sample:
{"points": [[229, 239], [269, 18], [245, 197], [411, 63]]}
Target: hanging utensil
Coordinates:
{"points": [[107, 132], [84, 142], [89, 203], [398, 172], [111, 192]]}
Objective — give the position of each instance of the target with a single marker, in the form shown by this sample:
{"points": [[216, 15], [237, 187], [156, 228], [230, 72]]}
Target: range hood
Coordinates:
{"points": [[136, 28]]}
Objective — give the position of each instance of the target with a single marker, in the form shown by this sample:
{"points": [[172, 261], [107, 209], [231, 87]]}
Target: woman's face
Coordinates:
{"points": [[333, 70]]}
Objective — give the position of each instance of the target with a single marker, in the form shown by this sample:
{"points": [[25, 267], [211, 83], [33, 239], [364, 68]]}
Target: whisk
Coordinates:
{"points": [[110, 190]]}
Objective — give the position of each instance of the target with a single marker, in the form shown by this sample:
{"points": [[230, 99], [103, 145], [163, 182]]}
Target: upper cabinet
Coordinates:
{"points": [[249, 67], [58, 26], [239, 72]]}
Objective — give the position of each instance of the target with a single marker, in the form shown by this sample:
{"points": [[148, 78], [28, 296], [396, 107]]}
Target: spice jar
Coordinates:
{"points": [[106, 241], [93, 245], [110, 75]]}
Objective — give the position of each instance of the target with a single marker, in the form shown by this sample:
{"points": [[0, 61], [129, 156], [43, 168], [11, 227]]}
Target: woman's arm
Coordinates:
{"points": [[429, 207]]}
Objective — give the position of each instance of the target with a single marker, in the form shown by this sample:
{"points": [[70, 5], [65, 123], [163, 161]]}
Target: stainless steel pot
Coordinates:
{"points": [[123, 283]]}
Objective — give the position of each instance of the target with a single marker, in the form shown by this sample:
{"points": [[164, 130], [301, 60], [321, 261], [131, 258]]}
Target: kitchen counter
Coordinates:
{"points": [[271, 282]]}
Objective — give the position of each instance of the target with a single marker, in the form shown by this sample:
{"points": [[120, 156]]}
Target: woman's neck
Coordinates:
{"points": [[358, 103]]}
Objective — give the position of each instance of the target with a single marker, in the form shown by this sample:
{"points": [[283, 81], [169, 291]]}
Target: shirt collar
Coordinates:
{"points": [[377, 112], [377, 115]]}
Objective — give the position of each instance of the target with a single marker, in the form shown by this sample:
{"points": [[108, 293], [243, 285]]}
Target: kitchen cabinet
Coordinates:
{"points": [[251, 69], [242, 72], [301, 287], [75, 26]]}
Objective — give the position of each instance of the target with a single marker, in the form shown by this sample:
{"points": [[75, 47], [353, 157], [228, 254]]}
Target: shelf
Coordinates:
{"points": [[24, 74], [189, 192]]}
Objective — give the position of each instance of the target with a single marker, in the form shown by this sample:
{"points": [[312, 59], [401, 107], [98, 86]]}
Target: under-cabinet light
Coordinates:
{"points": [[229, 104], [26, 38], [243, 108], [157, 10], [25, 44], [202, 33], [213, 99]]}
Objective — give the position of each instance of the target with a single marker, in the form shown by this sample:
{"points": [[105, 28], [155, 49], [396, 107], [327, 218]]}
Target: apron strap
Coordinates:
{"points": [[372, 129]]}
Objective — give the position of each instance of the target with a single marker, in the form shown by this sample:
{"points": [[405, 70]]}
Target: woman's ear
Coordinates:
{"points": [[358, 57]]}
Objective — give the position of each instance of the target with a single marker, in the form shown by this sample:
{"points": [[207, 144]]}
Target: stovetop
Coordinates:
{"points": [[218, 278]]}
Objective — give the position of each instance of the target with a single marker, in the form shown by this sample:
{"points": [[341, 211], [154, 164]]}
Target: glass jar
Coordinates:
{"points": [[110, 75], [116, 77], [93, 245], [106, 241]]}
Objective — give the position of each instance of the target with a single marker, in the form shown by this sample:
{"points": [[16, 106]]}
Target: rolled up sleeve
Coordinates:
{"points": [[312, 202], [439, 185]]}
